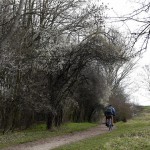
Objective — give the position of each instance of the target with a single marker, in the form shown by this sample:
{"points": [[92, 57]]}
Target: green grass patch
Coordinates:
{"points": [[39, 132], [133, 135]]}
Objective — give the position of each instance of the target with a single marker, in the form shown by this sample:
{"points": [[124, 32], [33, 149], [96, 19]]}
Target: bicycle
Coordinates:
{"points": [[109, 124]]}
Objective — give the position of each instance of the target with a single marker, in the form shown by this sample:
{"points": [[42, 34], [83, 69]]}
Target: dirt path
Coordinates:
{"points": [[50, 143]]}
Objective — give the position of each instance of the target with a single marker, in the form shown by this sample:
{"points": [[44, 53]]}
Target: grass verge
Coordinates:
{"points": [[39, 131], [133, 135]]}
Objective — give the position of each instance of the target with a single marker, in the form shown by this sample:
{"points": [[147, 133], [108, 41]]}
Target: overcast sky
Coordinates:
{"points": [[118, 8]]}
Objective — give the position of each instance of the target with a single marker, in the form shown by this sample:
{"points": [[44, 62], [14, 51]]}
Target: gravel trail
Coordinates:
{"points": [[51, 143]]}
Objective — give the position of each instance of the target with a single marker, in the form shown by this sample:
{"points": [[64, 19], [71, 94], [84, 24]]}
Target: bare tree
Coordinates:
{"points": [[117, 72], [140, 18], [146, 77]]}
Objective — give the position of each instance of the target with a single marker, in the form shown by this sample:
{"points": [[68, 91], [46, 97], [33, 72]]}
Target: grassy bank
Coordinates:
{"points": [[39, 131], [133, 135]]}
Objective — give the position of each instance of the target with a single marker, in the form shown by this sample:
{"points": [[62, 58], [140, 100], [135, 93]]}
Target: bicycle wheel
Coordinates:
{"points": [[110, 124]]}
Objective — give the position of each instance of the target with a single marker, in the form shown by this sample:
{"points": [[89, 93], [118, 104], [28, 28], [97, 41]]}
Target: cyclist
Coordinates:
{"points": [[110, 112]]}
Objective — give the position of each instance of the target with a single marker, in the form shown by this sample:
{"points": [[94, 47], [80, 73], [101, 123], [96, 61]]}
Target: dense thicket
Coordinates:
{"points": [[124, 108], [53, 57]]}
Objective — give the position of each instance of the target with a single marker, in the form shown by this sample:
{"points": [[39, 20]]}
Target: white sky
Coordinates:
{"points": [[121, 7]]}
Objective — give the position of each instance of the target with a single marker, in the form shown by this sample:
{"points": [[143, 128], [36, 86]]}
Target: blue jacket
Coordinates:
{"points": [[110, 111]]}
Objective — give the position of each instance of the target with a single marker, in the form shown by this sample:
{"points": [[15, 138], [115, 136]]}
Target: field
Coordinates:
{"points": [[133, 135]]}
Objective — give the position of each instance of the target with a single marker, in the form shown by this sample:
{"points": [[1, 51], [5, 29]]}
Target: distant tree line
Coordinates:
{"points": [[57, 63]]}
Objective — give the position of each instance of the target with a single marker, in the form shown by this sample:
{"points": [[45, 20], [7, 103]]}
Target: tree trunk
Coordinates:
{"points": [[50, 118]]}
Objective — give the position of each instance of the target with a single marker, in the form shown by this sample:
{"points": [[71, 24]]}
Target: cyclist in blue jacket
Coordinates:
{"points": [[110, 112]]}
